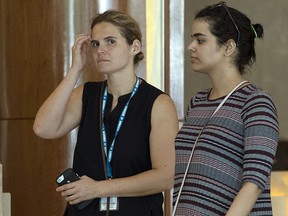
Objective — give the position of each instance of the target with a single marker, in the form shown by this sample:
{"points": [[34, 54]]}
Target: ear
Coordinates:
{"points": [[230, 47], [135, 47]]}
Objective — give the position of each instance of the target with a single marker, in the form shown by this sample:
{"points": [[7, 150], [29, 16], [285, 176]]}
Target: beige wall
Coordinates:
{"points": [[270, 71]]}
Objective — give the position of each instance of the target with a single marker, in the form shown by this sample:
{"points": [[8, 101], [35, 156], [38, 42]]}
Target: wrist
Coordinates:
{"points": [[75, 71]]}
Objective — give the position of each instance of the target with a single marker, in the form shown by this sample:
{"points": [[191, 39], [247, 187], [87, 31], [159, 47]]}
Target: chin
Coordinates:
{"points": [[195, 69], [198, 70], [103, 70]]}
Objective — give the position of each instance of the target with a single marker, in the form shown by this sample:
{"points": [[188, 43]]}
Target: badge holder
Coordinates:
{"points": [[112, 202]]}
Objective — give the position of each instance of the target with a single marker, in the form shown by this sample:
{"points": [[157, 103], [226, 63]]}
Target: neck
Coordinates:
{"points": [[224, 86], [120, 85]]}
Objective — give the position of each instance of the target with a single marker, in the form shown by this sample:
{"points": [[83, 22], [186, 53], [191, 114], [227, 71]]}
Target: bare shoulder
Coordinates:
{"points": [[164, 108], [163, 101]]}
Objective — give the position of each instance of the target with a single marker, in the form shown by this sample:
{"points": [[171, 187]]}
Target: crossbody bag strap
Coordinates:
{"points": [[192, 151]]}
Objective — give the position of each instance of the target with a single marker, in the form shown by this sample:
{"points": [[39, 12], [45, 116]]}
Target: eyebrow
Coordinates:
{"points": [[198, 35], [106, 38]]}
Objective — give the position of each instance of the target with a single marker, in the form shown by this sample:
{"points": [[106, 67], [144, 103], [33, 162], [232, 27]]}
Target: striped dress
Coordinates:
{"points": [[237, 145]]}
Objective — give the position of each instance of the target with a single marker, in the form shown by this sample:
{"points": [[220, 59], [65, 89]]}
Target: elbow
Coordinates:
{"points": [[169, 183], [38, 131], [169, 178], [46, 132], [41, 132], [168, 187]]}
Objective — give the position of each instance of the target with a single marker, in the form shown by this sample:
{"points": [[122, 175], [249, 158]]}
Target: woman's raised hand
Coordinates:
{"points": [[80, 51]]}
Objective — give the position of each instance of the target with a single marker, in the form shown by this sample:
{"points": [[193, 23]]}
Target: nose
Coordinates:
{"points": [[191, 47], [101, 48]]}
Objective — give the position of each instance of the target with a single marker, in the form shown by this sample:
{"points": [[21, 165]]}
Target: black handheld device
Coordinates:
{"points": [[68, 176]]}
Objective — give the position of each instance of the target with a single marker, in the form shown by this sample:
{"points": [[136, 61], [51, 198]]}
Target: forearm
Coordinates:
{"points": [[146, 183], [51, 114], [245, 200]]}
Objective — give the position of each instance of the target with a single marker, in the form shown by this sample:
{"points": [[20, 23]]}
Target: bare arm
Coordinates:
{"points": [[245, 200], [61, 112], [158, 179]]}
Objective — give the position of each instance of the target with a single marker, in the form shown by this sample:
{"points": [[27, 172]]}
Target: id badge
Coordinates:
{"points": [[113, 205]]}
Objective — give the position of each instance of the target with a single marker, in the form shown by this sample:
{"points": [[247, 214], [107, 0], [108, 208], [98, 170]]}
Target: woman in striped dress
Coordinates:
{"points": [[232, 149]]}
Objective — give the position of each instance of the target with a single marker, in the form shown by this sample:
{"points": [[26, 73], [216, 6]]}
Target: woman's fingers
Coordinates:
{"points": [[79, 51]]}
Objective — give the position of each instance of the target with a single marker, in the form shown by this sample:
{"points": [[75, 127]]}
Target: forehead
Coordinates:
{"points": [[104, 30], [200, 26]]}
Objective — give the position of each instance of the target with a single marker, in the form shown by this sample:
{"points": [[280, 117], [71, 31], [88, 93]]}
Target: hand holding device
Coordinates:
{"points": [[68, 176]]}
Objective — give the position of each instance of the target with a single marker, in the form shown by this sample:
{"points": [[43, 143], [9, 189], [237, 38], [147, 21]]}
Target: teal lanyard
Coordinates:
{"points": [[119, 124]]}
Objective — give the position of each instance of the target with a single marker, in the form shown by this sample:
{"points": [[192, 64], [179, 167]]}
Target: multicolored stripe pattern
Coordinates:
{"points": [[237, 145]]}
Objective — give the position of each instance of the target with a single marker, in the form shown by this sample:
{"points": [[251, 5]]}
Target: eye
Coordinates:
{"points": [[200, 41], [95, 44], [110, 41]]}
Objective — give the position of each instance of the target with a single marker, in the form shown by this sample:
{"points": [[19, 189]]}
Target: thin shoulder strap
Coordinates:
{"points": [[227, 96]]}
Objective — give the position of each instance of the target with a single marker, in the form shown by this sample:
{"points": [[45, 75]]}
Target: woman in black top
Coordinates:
{"points": [[125, 145]]}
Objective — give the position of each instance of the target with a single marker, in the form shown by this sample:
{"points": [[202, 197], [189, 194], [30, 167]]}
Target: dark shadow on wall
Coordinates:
{"points": [[281, 159]]}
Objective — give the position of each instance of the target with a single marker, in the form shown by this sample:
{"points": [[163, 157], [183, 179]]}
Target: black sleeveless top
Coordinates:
{"points": [[131, 154]]}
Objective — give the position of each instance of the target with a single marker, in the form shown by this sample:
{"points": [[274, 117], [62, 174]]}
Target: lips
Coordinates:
{"points": [[102, 61], [193, 59]]}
